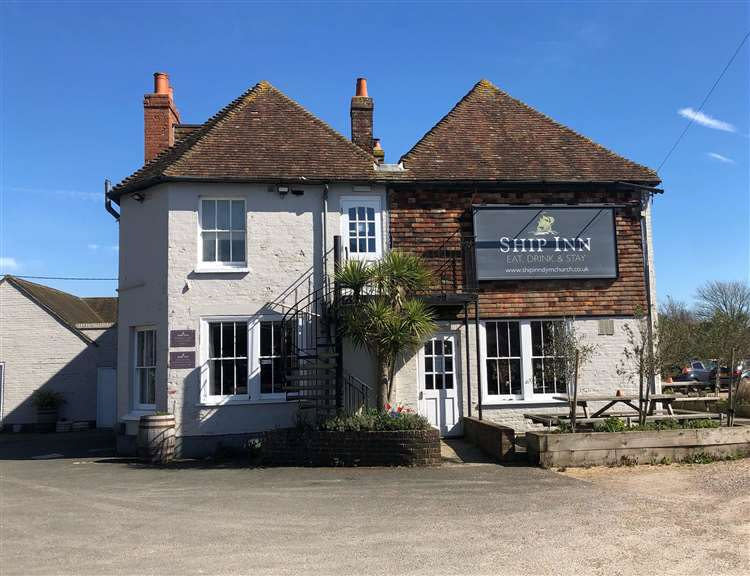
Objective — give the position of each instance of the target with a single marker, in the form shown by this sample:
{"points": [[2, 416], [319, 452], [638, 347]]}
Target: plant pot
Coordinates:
{"points": [[156, 438], [64, 426], [46, 419]]}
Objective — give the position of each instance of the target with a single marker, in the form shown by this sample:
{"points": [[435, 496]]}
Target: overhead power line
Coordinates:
{"points": [[690, 122], [59, 277]]}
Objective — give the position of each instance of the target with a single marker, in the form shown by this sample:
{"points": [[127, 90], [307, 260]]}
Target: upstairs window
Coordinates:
{"points": [[222, 224], [361, 227]]}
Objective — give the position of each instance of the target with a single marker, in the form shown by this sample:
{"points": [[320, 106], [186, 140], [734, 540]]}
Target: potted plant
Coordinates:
{"points": [[47, 404]]}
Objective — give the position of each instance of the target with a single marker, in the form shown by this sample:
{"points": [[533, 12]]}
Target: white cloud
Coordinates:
{"points": [[7, 263], [720, 158], [705, 120], [93, 247], [72, 194]]}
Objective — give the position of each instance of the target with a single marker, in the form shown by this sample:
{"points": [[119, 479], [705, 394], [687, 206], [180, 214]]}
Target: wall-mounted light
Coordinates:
{"points": [[137, 196], [298, 192], [282, 190]]}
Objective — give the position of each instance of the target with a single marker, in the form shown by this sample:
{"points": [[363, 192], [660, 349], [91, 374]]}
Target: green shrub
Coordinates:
{"points": [[611, 424], [47, 399], [375, 420]]}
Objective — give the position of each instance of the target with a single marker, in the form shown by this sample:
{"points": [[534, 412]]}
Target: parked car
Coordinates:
{"points": [[724, 374], [695, 371]]}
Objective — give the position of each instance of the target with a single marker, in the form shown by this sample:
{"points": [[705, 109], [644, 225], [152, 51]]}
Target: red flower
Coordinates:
{"points": [[388, 406], [399, 409]]}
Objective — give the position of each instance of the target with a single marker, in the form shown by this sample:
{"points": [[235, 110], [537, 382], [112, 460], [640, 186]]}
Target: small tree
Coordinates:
{"points": [[641, 358], [572, 353], [724, 311], [380, 313], [677, 334]]}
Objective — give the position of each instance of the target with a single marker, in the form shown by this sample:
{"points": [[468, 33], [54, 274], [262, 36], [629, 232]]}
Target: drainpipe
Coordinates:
{"points": [[468, 356], [479, 356], [108, 202], [647, 279], [325, 238]]}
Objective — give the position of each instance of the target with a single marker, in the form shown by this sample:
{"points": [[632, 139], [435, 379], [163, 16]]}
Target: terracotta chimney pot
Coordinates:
{"points": [[161, 83], [361, 87]]}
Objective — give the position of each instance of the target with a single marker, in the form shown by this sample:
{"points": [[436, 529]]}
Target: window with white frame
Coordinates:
{"points": [[222, 230], [145, 367], [271, 367], [503, 358], [523, 360], [438, 363], [362, 226], [547, 362], [227, 358], [242, 359]]}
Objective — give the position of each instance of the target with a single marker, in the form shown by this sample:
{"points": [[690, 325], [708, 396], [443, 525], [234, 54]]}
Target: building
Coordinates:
{"points": [[229, 232], [53, 340]]}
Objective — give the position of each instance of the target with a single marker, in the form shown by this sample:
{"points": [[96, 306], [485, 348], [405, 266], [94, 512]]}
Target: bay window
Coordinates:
{"points": [[522, 361]]}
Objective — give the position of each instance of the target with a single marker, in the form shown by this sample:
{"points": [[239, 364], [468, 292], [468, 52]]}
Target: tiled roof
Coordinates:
{"points": [[261, 136], [105, 307], [70, 310], [490, 136]]}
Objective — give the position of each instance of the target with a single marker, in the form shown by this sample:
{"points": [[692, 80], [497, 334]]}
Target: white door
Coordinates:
{"points": [[106, 379], [439, 394]]}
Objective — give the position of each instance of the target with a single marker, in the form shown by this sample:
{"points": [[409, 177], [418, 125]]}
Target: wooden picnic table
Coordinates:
{"points": [[583, 402], [668, 399]]}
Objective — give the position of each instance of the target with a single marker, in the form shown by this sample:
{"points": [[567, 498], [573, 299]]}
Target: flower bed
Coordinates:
{"points": [[551, 450], [371, 438], [301, 447]]}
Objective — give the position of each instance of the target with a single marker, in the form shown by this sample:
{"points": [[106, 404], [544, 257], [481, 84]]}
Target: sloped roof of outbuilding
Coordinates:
{"points": [[490, 136], [261, 136], [71, 311]]}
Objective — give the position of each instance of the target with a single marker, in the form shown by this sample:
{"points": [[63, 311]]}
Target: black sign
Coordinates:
{"points": [[182, 339], [515, 243], [182, 360]]}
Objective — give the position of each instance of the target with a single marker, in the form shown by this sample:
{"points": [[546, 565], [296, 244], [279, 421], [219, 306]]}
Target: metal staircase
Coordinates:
{"points": [[312, 356]]}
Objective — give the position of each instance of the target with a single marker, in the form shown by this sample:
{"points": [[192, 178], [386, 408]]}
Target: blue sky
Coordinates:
{"points": [[74, 75]]}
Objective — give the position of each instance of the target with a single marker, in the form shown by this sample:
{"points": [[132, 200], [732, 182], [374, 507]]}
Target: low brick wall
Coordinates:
{"points": [[615, 448], [495, 440], [295, 447]]}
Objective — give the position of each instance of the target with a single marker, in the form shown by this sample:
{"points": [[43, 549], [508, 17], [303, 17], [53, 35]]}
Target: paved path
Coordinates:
{"points": [[100, 515]]}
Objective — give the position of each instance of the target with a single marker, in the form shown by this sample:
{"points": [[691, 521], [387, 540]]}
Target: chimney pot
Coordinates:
{"points": [[361, 87], [161, 83], [160, 116]]}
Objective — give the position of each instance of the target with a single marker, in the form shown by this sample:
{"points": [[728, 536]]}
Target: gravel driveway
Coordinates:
{"points": [[99, 515]]}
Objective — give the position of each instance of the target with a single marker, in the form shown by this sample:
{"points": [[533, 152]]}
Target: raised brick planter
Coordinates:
{"points": [[295, 447]]}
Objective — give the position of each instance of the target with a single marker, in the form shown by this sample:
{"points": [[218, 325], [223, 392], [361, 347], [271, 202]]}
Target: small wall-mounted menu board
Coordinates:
{"points": [[182, 338], [182, 360]]}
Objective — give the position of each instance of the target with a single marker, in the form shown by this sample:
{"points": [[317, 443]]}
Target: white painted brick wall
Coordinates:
{"points": [[283, 244], [39, 352]]}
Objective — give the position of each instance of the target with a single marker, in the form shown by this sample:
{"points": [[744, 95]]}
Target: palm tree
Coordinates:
{"points": [[380, 313]]}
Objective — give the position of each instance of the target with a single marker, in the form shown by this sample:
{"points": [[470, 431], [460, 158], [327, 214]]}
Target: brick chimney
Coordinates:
{"points": [[361, 114], [159, 117]]}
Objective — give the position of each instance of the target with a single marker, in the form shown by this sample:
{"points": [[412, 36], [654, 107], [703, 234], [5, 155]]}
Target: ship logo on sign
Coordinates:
{"points": [[544, 225]]}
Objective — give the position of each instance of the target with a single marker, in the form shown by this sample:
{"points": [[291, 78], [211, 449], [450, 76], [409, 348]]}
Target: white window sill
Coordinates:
{"points": [[505, 402], [206, 403], [221, 269], [136, 414]]}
